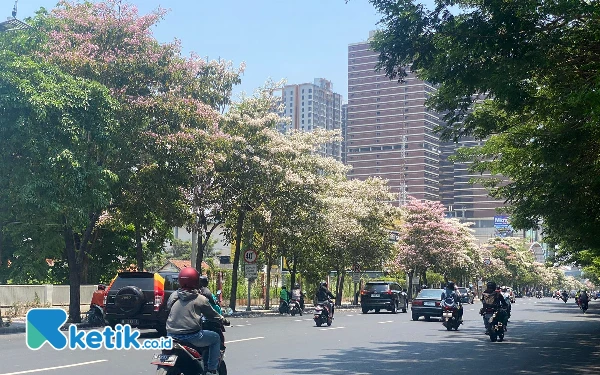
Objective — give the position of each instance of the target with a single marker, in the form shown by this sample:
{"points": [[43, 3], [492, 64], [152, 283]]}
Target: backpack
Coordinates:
{"points": [[489, 298]]}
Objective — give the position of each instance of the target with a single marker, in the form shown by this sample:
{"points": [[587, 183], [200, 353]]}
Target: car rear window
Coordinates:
{"points": [[144, 281], [430, 293], [377, 287], [462, 290]]}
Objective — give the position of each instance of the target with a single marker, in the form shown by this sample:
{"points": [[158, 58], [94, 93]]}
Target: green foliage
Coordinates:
{"points": [[523, 76]]}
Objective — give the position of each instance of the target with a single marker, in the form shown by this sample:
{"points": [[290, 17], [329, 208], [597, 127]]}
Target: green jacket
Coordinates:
{"points": [[284, 295]]}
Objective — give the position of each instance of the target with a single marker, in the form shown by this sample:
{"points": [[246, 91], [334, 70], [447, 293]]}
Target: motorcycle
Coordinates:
{"points": [[294, 307], [496, 328], [322, 314], [187, 359], [284, 307], [449, 314], [565, 297], [538, 294], [96, 314]]}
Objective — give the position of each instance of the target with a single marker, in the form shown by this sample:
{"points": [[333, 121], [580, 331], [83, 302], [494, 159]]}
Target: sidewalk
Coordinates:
{"points": [[16, 326]]}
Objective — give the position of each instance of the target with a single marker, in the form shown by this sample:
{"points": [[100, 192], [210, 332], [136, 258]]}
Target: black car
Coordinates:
{"points": [[139, 299], [428, 303], [379, 295]]}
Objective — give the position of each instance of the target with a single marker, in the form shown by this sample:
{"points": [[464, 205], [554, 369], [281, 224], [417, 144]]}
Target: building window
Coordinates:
{"points": [[309, 121], [378, 113], [309, 90], [303, 124], [302, 99], [310, 96], [378, 99], [292, 92], [303, 91]]}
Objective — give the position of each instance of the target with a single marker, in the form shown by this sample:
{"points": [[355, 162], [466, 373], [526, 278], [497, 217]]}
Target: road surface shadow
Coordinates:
{"points": [[530, 347]]}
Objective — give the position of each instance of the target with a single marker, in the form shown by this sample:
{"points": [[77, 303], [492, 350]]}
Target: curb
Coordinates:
{"points": [[12, 329]]}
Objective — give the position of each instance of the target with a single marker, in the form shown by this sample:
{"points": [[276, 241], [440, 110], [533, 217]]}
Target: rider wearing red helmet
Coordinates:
{"points": [[187, 306]]}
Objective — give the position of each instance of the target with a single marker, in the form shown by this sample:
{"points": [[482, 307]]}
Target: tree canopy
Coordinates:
{"points": [[524, 76]]}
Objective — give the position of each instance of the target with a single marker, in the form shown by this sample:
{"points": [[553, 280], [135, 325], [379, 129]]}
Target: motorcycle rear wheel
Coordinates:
{"points": [[493, 336], [500, 336], [448, 327]]}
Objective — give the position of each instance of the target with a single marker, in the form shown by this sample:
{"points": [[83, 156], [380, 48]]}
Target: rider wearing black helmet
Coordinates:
{"points": [[452, 291], [493, 299], [325, 296]]}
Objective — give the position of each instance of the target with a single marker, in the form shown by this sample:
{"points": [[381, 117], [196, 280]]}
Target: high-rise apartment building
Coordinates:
{"points": [[344, 133], [313, 106], [390, 132]]}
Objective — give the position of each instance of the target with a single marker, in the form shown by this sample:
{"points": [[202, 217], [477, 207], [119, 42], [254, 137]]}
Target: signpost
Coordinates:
{"points": [[250, 270], [250, 256]]}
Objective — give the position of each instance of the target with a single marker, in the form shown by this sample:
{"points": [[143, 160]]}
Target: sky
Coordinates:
{"points": [[295, 40]]}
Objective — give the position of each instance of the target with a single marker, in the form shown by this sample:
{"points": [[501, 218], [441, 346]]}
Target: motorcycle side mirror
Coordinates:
{"points": [[218, 292]]}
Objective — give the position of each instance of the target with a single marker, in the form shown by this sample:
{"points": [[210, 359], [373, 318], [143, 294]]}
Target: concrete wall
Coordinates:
{"points": [[55, 295]]}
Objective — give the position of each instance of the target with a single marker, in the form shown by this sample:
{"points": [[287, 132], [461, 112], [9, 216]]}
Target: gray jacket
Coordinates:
{"points": [[186, 307]]}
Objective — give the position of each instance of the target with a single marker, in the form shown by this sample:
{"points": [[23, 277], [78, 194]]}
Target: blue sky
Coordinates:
{"points": [[296, 40]]}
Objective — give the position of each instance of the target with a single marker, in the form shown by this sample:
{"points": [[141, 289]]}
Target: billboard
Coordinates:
{"points": [[502, 226]]}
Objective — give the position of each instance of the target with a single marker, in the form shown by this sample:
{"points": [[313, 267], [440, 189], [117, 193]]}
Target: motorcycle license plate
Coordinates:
{"points": [[374, 295], [164, 359], [133, 322], [428, 303], [447, 315]]}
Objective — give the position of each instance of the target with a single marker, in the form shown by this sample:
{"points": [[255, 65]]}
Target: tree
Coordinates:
{"points": [[55, 130], [429, 241], [152, 115], [520, 74]]}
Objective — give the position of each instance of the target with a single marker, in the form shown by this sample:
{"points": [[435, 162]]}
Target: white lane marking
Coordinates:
{"points": [[349, 315], [227, 342], [307, 319], [55, 367], [298, 320], [242, 325], [387, 321], [325, 329]]}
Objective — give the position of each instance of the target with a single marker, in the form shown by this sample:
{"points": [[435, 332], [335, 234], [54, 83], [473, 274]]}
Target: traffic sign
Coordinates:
{"points": [[356, 277], [250, 256], [251, 271]]}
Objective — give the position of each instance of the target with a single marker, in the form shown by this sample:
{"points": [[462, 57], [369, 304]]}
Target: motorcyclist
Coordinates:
{"points": [[184, 323], [298, 295], [506, 295], [493, 299], [405, 295], [452, 291], [324, 296], [212, 299], [565, 294], [584, 299], [284, 299]]}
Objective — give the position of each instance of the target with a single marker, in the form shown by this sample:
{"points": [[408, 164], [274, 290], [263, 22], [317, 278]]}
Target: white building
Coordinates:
{"points": [[313, 106]]}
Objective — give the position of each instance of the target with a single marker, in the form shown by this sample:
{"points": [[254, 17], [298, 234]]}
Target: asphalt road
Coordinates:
{"points": [[545, 336]]}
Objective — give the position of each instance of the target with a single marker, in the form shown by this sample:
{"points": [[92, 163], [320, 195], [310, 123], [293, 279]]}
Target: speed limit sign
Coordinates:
{"points": [[250, 256]]}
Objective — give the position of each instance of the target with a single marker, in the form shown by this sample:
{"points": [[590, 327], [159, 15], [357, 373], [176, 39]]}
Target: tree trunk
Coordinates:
{"points": [[139, 249], [74, 277], [340, 287], [268, 281], [236, 260], [293, 278], [424, 278], [410, 285], [200, 251]]}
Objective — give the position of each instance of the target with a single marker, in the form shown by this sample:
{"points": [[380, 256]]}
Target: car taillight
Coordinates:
{"points": [[363, 292], [159, 291], [438, 303], [389, 292], [417, 303], [448, 307]]}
